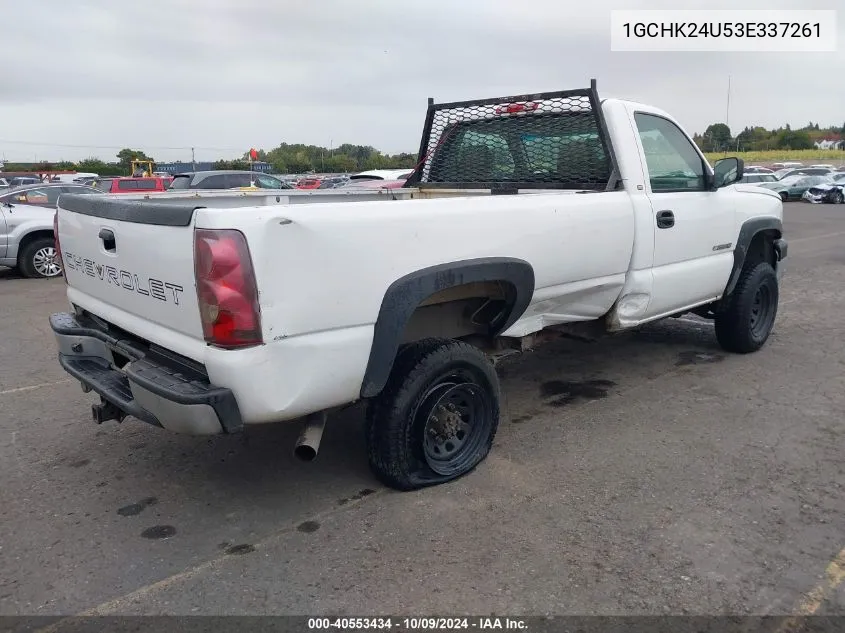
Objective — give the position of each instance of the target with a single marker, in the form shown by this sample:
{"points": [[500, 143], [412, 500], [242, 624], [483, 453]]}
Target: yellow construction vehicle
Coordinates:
{"points": [[142, 169]]}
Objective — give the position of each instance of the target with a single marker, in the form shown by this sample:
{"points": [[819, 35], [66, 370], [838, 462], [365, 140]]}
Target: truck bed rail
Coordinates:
{"points": [[176, 208]]}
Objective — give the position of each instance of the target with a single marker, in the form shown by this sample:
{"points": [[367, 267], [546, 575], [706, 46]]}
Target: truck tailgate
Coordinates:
{"points": [[136, 257]]}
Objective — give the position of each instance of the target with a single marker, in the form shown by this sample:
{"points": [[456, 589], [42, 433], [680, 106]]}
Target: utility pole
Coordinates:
{"points": [[728, 107], [728, 111], [193, 161]]}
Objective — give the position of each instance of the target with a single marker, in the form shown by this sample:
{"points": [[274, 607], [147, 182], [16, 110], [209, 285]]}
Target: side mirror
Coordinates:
{"points": [[727, 171]]}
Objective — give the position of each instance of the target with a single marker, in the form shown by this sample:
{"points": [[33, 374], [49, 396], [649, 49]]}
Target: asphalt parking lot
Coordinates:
{"points": [[644, 473]]}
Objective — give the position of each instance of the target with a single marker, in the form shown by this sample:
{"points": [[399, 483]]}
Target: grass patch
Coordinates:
{"points": [[806, 156]]}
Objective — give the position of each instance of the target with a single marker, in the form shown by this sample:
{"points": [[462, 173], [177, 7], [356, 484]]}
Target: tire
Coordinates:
{"points": [[837, 197], [745, 324], [408, 447], [38, 259], [784, 196]]}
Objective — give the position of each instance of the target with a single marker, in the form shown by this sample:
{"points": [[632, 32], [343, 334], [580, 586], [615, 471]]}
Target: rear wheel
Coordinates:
{"points": [[745, 324], [437, 416], [39, 258]]}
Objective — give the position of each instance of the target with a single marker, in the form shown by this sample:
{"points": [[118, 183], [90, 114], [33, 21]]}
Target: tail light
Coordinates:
{"points": [[226, 289], [58, 246]]}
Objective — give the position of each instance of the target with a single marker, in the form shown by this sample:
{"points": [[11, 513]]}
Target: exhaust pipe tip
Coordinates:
{"points": [[308, 443], [305, 453]]}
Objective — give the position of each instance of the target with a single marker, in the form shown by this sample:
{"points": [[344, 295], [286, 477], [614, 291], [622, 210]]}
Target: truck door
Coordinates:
{"points": [[693, 227]]}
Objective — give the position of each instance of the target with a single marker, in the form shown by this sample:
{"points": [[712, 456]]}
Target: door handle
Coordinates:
{"points": [[107, 235], [665, 219]]}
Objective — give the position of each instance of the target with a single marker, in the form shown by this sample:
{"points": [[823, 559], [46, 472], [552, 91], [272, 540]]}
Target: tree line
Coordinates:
{"points": [[297, 158], [284, 159], [718, 138]]}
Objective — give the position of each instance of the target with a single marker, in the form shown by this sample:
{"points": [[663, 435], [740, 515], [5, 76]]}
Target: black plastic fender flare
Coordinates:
{"points": [[405, 294], [749, 229]]}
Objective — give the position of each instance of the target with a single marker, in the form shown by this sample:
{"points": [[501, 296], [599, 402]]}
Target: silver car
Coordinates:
{"points": [[755, 178], [26, 227]]}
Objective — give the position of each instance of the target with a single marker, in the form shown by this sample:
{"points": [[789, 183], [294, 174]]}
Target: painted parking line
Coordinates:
{"points": [[31, 387], [834, 575]]}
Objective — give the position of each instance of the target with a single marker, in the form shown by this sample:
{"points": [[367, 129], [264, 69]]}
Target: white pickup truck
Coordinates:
{"points": [[206, 313]]}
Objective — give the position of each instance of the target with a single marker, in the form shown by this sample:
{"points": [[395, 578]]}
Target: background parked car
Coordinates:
{"points": [[133, 185], [383, 174], [288, 179], [309, 183], [793, 187], [226, 179], [807, 171], [754, 178], [86, 180], [832, 192], [754, 169], [333, 182], [26, 227], [22, 181], [374, 184]]}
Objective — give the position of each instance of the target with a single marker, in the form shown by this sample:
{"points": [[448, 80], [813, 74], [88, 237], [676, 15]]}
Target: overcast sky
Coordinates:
{"points": [[227, 75]]}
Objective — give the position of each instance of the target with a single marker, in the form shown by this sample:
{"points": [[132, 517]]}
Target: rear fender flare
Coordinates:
{"points": [[406, 293]]}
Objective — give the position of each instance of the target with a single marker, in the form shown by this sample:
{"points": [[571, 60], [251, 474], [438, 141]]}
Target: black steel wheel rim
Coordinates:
{"points": [[454, 419], [761, 311]]}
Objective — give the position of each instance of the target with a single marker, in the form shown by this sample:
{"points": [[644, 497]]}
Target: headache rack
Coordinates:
{"points": [[550, 140]]}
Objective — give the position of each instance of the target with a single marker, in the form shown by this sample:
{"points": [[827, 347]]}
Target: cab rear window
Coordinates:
{"points": [[539, 149]]}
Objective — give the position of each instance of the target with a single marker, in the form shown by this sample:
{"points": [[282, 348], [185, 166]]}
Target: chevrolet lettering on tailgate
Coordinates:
{"points": [[147, 286]]}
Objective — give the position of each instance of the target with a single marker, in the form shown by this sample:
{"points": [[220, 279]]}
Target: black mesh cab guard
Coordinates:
{"points": [[551, 140]]}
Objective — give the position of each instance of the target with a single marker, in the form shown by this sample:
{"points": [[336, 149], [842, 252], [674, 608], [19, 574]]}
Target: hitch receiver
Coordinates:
{"points": [[106, 411]]}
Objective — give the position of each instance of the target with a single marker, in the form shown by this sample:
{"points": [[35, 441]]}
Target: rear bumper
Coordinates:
{"points": [[150, 386]]}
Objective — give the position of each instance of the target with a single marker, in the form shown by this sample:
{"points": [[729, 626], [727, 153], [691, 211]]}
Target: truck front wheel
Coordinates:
{"points": [[745, 324], [436, 417]]}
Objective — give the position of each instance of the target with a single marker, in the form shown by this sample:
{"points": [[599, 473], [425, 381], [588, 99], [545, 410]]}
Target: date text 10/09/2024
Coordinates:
{"points": [[722, 29], [417, 624]]}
